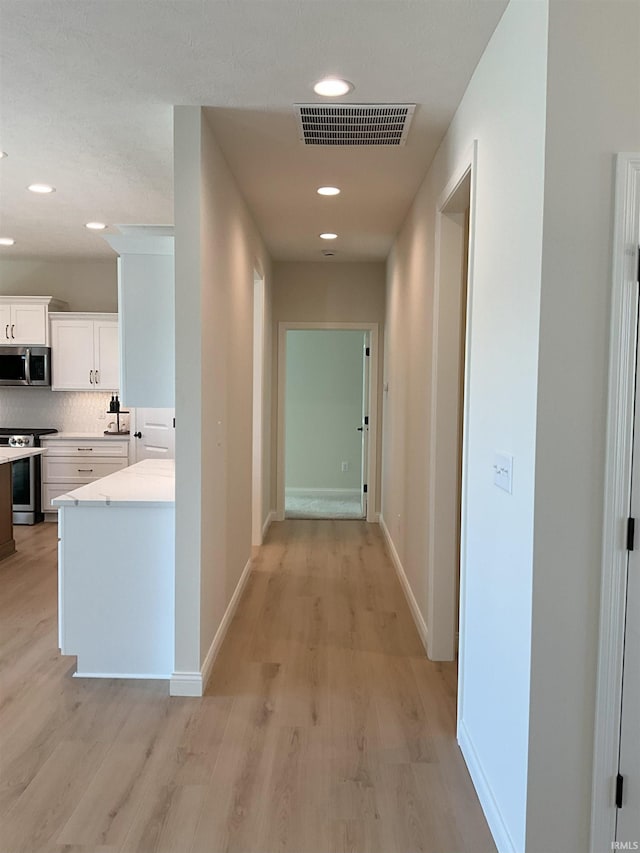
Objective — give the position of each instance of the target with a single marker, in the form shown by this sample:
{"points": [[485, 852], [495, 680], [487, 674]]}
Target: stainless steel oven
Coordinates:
{"points": [[26, 475], [29, 366]]}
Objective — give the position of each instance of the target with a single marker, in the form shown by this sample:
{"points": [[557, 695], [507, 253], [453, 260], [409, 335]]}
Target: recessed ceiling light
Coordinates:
{"points": [[332, 87], [3, 154], [328, 235], [7, 241], [43, 189], [328, 191], [95, 226]]}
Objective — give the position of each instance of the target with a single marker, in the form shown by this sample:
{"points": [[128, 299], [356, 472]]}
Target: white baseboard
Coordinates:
{"points": [[340, 494], [144, 675], [490, 807], [186, 684], [418, 618], [194, 683], [224, 625], [267, 524]]}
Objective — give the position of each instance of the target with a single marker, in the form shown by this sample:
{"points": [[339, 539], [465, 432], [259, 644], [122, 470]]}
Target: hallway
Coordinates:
{"points": [[324, 728]]}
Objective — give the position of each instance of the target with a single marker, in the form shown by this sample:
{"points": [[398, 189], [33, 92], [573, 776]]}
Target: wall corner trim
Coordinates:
{"points": [[489, 804], [418, 618]]}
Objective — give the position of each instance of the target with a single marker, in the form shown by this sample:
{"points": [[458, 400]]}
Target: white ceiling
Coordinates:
{"points": [[86, 95]]}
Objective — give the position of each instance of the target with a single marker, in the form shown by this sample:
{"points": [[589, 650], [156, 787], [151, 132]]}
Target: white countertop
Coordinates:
{"points": [[12, 454], [148, 483], [85, 436]]}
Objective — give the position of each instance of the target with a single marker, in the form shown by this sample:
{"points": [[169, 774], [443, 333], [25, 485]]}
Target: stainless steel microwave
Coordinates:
{"points": [[25, 366]]}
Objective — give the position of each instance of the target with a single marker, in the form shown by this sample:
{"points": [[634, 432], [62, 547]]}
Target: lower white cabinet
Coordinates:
{"points": [[72, 462]]}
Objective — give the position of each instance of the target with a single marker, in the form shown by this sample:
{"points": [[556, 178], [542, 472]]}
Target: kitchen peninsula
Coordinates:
{"points": [[7, 456], [116, 573]]}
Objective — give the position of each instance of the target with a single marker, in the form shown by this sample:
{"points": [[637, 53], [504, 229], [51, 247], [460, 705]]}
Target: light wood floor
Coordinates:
{"points": [[324, 728]]}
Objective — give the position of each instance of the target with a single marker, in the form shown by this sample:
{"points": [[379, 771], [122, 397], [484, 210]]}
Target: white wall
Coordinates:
{"points": [[325, 292], [504, 109], [217, 249], [87, 285], [323, 409], [593, 111]]}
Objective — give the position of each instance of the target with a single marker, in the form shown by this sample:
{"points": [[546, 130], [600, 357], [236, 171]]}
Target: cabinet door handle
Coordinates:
{"points": [[97, 377], [91, 376], [85, 448], [13, 325], [6, 332], [85, 470]]}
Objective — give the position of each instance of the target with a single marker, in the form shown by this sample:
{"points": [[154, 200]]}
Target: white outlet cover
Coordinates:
{"points": [[503, 472]]}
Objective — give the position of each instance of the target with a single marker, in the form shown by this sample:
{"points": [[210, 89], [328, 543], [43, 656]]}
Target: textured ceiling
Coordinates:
{"points": [[87, 87]]}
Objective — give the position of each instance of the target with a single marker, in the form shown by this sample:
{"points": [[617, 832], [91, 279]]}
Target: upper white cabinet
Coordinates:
{"points": [[24, 319], [5, 324], [146, 308], [84, 352]]}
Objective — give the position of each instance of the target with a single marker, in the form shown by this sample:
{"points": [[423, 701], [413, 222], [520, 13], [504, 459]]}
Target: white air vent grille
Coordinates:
{"points": [[354, 124]]}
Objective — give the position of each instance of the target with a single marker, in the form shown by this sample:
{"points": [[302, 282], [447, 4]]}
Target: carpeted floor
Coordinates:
{"points": [[299, 506]]}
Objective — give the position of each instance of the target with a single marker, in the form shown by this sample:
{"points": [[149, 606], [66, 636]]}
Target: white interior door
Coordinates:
{"points": [[628, 813], [364, 492], [153, 434]]}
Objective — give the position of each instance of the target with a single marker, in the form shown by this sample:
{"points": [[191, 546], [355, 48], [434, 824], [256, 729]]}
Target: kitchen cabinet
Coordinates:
{"points": [[116, 574], [84, 352], [24, 320], [146, 296], [75, 460]]}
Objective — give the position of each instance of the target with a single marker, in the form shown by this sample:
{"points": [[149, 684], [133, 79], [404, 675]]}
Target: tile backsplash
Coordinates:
{"points": [[66, 411]]}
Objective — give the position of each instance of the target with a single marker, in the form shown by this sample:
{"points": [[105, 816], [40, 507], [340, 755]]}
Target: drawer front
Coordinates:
{"points": [[51, 491], [86, 448], [79, 470]]}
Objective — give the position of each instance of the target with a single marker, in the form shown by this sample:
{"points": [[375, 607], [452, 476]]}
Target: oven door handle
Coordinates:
{"points": [[27, 365]]}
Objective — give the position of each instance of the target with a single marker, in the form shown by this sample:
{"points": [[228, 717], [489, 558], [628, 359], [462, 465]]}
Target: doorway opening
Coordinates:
{"points": [[257, 503], [327, 407], [324, 424], [446, 451]]}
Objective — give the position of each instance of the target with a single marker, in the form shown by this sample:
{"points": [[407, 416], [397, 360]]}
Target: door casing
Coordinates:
{"points": [[619, 450]]}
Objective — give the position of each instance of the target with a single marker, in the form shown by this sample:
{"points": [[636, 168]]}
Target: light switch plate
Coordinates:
{"points": [[503, 472]]}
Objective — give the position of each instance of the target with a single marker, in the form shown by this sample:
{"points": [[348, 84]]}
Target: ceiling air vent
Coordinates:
{"points": [[354, 124]]}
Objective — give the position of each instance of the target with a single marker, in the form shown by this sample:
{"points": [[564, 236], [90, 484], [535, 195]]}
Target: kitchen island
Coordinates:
{"points": [[7, 456], [116, 573]]}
